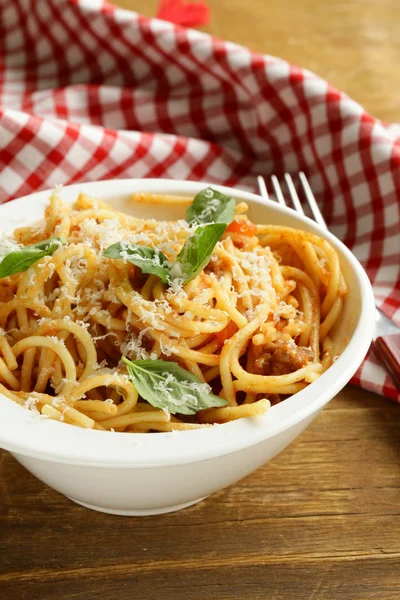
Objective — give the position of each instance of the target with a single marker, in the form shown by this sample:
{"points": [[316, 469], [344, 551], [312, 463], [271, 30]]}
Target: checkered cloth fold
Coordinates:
{"points": [[90, 92]]}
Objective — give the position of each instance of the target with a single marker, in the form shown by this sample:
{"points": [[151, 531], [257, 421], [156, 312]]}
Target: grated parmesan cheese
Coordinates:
{"points": [[8, 244], [133, 349], [165, 388], [31, 403], [212, 206]]}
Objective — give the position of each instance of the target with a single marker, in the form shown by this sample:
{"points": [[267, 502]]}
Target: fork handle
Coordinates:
{"points": [[387, 349]]}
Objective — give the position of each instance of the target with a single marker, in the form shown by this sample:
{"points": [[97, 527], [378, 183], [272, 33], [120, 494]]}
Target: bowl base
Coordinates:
{"points": [[137, 513]]}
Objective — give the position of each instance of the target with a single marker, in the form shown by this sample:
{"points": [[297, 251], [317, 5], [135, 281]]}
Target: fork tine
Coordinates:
{"points": [[293, 194], [262, 187], [311, 201], [278, 190]]}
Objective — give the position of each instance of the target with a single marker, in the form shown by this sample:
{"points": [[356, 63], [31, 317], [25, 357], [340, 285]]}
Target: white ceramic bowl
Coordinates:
{"points": [[142, 474]]}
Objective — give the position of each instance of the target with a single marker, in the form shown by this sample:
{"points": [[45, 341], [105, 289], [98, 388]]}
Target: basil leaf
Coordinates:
{"points": [[149, 260], [166, 385], [197, 251], [20, 260], [191, 260], [211, 206]]}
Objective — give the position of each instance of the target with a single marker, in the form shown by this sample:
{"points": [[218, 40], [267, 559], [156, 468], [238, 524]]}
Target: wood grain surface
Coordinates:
{"points": [[319, 522]]}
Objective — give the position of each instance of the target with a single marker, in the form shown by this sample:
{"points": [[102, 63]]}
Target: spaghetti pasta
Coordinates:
{"points": [[251, 326]]}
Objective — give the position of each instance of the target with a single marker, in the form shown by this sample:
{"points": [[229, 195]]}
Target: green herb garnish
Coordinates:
{"points": [[211, 206], [191, 260], [149, 260], [166, 385], [213, 211], [19, 261], [197, 251]]}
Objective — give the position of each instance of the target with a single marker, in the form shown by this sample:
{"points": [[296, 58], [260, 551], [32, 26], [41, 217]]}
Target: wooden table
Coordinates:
{"points": [[321, 521]]}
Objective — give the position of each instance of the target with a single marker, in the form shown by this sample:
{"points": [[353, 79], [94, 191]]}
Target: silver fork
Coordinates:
{"points": [[386, 344]]}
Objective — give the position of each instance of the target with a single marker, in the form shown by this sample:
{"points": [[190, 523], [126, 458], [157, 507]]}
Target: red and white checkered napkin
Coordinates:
{"points": [[91, 92]]}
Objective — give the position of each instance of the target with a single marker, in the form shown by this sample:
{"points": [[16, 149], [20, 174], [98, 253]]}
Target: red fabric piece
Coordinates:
{"points": [[91, 92], [188, 14]]}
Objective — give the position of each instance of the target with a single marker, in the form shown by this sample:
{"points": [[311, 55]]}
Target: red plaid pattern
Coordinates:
{"points": [[91, 92]]}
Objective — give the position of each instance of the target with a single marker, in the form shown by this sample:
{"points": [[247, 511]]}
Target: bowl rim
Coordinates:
{"points": [[22, 432]]}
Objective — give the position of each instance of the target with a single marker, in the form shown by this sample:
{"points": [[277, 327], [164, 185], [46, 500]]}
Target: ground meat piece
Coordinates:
{"points": [[282, 358]]}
